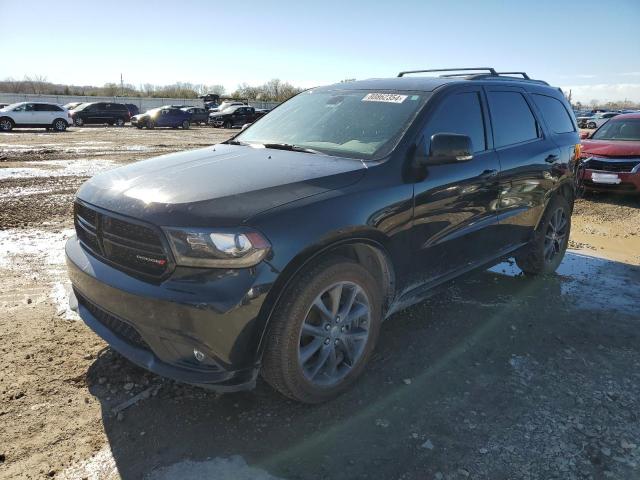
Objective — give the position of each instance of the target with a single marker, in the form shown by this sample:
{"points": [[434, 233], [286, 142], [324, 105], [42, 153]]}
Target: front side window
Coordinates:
{"points": [[512, 119], [462, 114], [352, 123], [554, 113]]}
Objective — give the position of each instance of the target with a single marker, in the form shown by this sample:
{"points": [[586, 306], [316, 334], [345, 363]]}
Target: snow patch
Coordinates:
{"points": [[57, 168], [232, 468], [101, 466]]}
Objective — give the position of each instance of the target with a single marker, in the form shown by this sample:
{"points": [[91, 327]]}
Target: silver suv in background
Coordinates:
{"points": [[32, 114]]}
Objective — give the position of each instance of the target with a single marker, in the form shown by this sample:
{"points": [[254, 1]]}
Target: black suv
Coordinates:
{"points": [[282, 250], [100, 113]]}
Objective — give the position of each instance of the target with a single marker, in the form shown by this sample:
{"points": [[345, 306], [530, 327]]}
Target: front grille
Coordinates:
{"points": [[131, 247], [122, 329], [612, 166]]}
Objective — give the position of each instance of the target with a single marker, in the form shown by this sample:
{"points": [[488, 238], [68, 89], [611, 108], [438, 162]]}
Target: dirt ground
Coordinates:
{"points": [[496, 376]]}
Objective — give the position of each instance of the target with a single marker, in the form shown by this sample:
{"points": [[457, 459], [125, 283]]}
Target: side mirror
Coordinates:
{"points": [[446, 148], [584, 135]]}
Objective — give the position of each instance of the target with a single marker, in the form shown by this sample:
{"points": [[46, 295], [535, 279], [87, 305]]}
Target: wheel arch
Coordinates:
{"points": [[368, 248]]}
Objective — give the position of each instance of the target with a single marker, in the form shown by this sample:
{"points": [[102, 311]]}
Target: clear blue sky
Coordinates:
{"points": [[592, 46]]}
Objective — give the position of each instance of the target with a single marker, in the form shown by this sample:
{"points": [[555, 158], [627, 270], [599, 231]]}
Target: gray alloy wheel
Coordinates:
{"points": [[334, 333], [120, 122], [556, 234], [591, 125], [6, 124], [186, 124], [227, 124], [78, 121], [59, 125], [151, 124]]}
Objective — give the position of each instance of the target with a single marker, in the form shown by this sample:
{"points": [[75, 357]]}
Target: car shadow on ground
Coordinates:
{"points": [[620, 199], [497, 376]]}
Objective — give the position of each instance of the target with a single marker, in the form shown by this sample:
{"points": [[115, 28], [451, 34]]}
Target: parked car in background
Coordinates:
{"points": [[595, 120], [235, 116], [100, 113], [2, 105], [282, 250], [198, 115], [612, 155], [72, 105], [133, 109], [225, 105], [34, 114], [162, 117]]}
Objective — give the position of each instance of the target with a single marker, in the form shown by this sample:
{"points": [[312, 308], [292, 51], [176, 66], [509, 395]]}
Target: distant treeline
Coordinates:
{"points": [[273, 91]]}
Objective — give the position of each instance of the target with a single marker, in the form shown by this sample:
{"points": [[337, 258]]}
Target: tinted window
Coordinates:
{"points": [[44, 107], [462, 114], [512, 119], [554, 113]]}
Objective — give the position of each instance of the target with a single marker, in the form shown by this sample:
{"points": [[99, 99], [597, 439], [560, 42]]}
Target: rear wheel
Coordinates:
{"points": [[120, 122], [186, 124], [547, 249], [59, 125], [323, 331], [6, 124], [227, 124]]}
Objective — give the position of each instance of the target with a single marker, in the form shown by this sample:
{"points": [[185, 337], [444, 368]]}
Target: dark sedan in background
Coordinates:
{"points": [[235, 116], [162, 117], [198, 114]]}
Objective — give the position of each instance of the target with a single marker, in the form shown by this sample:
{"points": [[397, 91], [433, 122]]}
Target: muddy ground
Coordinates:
{"points": [[497, 376]]}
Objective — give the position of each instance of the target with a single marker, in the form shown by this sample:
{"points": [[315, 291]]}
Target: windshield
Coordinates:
{"points": [[627, 129], [351, 123]]}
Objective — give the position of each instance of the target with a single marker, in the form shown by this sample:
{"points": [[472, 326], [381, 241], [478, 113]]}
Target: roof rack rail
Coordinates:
{"points": [[524, 75], [491, 70]]}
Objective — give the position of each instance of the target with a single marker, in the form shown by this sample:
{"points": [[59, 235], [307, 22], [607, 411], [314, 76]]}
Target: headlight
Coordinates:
{"points": [[198, 247]]}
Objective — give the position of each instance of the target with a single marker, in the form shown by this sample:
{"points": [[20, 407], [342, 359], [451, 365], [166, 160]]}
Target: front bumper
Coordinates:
{"points": [[158, 326]]}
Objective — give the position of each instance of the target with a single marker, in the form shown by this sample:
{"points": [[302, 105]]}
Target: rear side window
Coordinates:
{"points": [[511, 118], [462, 114], [44, 107], [555, 113]]}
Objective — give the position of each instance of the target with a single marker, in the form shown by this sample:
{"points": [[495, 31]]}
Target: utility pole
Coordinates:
{"points": [[121, 86]]}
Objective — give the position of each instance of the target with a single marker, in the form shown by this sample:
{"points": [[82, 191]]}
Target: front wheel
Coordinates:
{"points": [[6, 125], [227, 124], [547, 249], [323, 331], [186, 124], [78, 122], [591, 125]]}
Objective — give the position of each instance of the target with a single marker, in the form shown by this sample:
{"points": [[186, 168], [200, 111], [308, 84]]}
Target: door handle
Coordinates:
{"points": [[551, 159]]}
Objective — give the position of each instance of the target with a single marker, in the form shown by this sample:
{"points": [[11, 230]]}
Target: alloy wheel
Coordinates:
{"points": [[60, 125], [556, 234], [334, 333], [5, 125]]}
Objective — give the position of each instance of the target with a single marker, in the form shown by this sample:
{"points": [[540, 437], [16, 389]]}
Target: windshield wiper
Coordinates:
{"points": [[235, 142], [290, 147]]}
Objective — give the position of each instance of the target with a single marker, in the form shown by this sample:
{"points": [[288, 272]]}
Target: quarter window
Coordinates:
{"points": [[462, 114], [554, 113], [512, 119]]}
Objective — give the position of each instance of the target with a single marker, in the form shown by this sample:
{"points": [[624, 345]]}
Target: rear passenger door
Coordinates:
{"points": [[527, 155], [454, 205]]}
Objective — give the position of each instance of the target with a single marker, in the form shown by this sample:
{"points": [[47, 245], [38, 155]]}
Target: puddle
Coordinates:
{"points": [[56, 168], [594, 283]]}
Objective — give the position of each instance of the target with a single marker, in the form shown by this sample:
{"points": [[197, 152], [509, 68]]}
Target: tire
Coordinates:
{"points": [[227, 124], [6, 124], [312, 365], [120, 122], [591, 125], [78, 122], [151, 124], [59, 125], [546, 251], [186, 124], [139, 127]]}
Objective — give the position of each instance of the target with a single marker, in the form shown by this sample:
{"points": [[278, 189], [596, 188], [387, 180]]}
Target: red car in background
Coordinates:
{"points": [[612, 155]]}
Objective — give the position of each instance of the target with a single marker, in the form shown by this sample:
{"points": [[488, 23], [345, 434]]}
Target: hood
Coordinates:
{"points": [[223, 185], [611, 148]]}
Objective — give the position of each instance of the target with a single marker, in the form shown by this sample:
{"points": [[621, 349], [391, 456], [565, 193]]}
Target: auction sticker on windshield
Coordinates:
{"points": [[384, 97]]}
